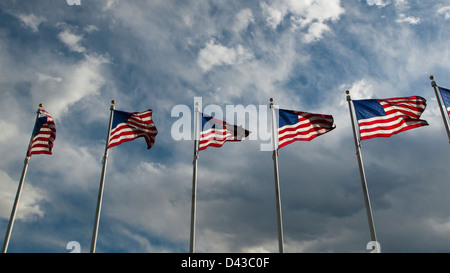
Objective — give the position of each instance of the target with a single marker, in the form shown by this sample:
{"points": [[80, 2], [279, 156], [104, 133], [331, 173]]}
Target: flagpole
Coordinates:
{"points": [[194, 181], [441, 106], [277, 182], [373, 235], [19, 188], [102, 182]]}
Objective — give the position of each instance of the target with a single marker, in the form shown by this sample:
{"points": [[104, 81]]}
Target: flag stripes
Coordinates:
{"points": [[214, 138], [44, 134], [302, 126], [129, 126], [394, 116], [216, 132]]}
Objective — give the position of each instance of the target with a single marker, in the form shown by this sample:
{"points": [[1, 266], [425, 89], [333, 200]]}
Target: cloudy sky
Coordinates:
{"points": [[159, 54]]}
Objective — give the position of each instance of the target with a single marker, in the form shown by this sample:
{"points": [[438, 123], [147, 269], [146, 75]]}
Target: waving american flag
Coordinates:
{"points": [[44, 134], [386, 117], [129, 126], [301, 126], [216, 132]]}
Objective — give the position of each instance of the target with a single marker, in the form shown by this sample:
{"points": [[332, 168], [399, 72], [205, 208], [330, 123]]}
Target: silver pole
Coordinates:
{"points": [[19, 189], [194, 181], [373, 235], [441, 107], [277, 183], [102, 183]]}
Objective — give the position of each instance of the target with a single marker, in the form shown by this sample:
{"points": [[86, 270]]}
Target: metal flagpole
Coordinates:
{"points": [[194, 181], [102, 182], [441, 107], [277, 183], [373, 235], [19, 189]]}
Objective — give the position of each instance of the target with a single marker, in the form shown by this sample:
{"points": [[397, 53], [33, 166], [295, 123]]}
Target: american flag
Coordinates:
{"points": [[387, 117], [446, 97], [129, 126], [301, 126], [216, 132], [44, 134]]}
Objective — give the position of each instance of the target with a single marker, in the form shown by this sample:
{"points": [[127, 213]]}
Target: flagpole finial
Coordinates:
{"points": [[197, 104], [41, 105], [113, 102], [348, 95], [433, 83], [271, 99]]}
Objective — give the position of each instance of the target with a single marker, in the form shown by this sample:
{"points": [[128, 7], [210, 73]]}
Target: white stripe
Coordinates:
{"points": [[396, 129], [212, 141], [381, 118], [371, 126], [44, 129], [127, 129], [217, 137], [37, 149], [299, 130], [318, 132], [393, 108], [40, 142], [122, 138], [215, 132], [140, 120], [404, 100]]}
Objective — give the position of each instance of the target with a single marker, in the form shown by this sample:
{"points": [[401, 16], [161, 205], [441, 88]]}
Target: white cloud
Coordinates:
{"points": [[402, 4], [445, 11], [32, 21], [79, 81], [44, 77], [243, 19], [90, 28], [109, 4], [215, 54], [273, 15], [402, 18], [381, 3], [315, 32], [71, 40], [31, 196], [309, 15], [361, 89], [8, 131]]}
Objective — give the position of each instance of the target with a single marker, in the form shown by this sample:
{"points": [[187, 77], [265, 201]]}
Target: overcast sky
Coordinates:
{"points": [[159, 54]]}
